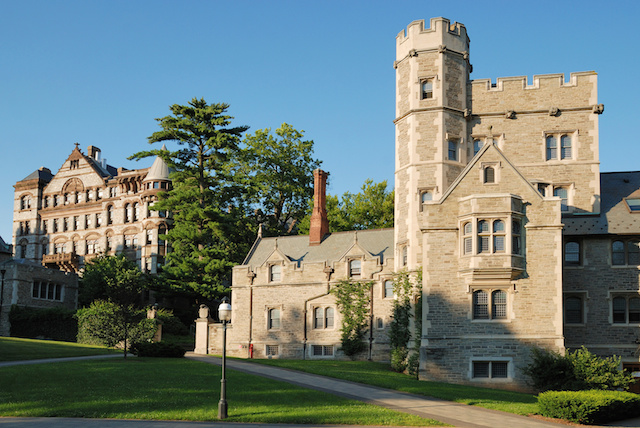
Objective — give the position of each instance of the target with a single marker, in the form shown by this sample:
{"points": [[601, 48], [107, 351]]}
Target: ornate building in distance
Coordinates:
{"points": [[88, 208]]}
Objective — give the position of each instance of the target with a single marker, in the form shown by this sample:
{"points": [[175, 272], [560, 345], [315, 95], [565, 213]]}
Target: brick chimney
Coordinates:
{"points": [[319, 222]]}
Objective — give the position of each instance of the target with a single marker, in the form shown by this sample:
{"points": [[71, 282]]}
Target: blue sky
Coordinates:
{"points": [[99, 72]]}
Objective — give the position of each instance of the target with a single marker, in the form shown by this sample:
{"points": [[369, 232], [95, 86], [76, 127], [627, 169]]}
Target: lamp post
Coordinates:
{"points": [[224, 313]]}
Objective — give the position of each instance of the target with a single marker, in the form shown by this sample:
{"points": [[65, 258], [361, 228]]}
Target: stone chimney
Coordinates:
{"points": [[319, 222], [93, 152]]}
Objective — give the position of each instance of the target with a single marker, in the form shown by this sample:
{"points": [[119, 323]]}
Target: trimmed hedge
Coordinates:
{"points": [[35, 323], [589, 407], [158, 350]]}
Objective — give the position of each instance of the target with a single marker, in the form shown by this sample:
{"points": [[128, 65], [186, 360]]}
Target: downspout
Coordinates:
{"points": [[250, 349]]}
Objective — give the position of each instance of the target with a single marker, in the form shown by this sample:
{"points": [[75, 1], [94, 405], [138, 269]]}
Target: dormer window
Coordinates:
{"points": [[275, 273], [355, 269], [489, 174], [633, 204]]}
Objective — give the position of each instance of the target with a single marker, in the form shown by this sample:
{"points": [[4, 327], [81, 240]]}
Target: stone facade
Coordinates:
{"points": [[522, 242], [87, 208]]}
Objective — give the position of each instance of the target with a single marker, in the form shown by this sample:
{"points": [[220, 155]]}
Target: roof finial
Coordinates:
{"points": [[76, 143], [355, 237], [260, 230], [276, 244]]}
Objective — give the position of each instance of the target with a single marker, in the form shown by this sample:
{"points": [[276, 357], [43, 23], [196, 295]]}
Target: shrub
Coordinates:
{"points": [[102, 323], [589, 407], [52, 323], [399, 359], [575, 371], [171, 324], [413, 364], [157, 350]]}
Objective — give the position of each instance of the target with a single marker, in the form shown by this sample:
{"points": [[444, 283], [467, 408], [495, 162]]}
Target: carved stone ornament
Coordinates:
{"points": [[465, 56], [395, 65], [442, 49], [510, 114], [413, 52], [467, 113], [598, 108], [553, 111], [203, 312]]}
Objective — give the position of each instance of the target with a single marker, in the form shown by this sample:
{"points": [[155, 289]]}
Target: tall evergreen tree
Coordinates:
{"points": [[204, 199]]}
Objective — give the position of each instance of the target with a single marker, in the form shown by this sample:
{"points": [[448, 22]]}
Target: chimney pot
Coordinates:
{"points": [[319, 226]]}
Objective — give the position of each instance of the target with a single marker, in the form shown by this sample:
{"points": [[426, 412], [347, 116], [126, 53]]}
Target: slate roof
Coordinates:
{"points": [[615, 217], [40, 174], [378, 242], [4, 247]]}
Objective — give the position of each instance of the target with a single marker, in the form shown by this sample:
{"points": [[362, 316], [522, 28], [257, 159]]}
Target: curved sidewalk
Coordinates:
{"points": [[458, 415]]}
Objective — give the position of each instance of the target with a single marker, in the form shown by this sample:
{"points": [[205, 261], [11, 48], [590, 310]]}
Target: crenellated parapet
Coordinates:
{"points": [[547, 93], [441, 35]]}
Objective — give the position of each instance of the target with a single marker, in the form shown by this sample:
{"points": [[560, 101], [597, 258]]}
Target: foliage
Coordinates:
{"points": [[170, 323], [16, 349], [577, 370], [176, 389], [277, 172], [352, 299], [399, 358], [405, 287], [121, 282], [209, 233], [104, 323], [371, 208], [157, 350], [52, 323], [593, 407]]}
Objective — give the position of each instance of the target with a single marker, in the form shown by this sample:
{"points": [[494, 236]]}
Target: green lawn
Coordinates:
{"points": [[381, 375], [175, 389], [15, 349]]}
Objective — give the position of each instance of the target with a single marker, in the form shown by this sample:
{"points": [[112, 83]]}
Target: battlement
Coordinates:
{"points": [[556, 80], [440, 33]]}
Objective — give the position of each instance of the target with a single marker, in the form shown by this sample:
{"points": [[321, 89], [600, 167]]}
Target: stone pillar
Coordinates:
{"points": [[202, 330]]}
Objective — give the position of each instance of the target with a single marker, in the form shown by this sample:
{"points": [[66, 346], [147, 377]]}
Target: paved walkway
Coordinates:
{"points": [[458, 415]]}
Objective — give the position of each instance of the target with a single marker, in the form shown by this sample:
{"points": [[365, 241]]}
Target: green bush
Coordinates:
{"points": [[53, 323], [413, 364], [158, 350], [589, 407], [102, 323], [171, 324], [575, 371], [399, 359]]}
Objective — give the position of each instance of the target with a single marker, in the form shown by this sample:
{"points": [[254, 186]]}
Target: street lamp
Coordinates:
{"points": [[224, 313]]}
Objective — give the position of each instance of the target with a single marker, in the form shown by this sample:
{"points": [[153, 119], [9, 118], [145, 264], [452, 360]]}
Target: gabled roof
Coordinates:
{"points": [[477, 158], [377, 242], [615, 216]]}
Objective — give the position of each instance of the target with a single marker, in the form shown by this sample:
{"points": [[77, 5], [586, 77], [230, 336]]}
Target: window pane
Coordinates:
{"points": [[498, 226], [354, 268], [565, 143], [552, 148], [468, 228], [274, 318], [483, 244], [318, 321], [617, 256], [499, 369], [328, 320], [498, 244], [633, 253], [489, 175], [573, 310], [427, 196], [499, 306], [619, 310], [562, 193], [481, 369], [388, 289], [483, 226], [480, 305], [453, 150], [468, 245], [633, 204], [634, 310], [477, 145], [572, 252]]}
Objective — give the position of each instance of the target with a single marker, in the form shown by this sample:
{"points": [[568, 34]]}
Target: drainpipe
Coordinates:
{"points": [[249, 350], [371, 316]]}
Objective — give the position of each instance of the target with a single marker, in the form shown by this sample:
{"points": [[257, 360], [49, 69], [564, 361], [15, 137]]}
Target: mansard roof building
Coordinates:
{"points": [[88, 207]]}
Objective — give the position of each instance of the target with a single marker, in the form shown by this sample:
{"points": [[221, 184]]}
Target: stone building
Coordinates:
{"points": [[281, 297], [89, 207], [522, 242], [26, 283]]}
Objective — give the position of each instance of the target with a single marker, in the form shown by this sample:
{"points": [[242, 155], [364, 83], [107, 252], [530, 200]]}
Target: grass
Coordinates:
{"points": [[15, 349], [381, 375], [175, 389]]}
